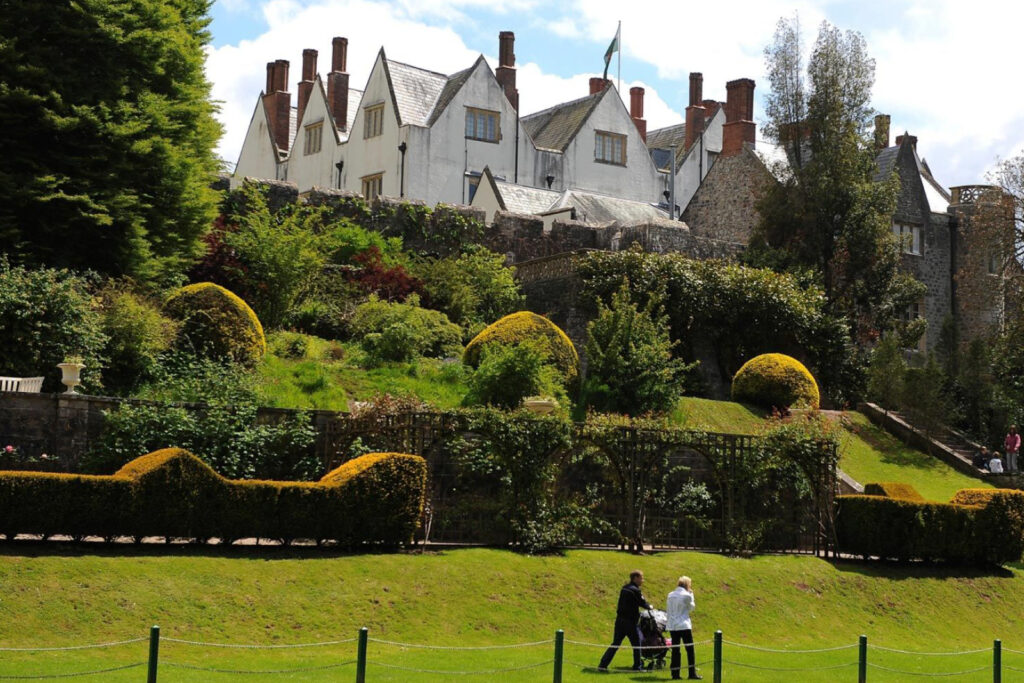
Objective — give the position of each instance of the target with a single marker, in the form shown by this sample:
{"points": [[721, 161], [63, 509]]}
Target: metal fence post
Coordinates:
{"points": [[154, 653], [862, 661], [361, 656], [997, 661], [559, 639], [718, 657]]}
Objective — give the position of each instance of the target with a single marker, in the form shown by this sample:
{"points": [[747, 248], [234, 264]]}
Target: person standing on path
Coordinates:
{"points": [[1012, 447], [679, 605], [627, 620]]}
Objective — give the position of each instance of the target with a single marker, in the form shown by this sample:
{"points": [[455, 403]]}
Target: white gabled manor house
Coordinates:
{"points": [[424, 135]]}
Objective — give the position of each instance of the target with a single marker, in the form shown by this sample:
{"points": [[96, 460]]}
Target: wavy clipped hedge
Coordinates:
{"points": [[775, 380], [896, 489], [902, 529], [217, 322], [375, 499], [516, 328]]}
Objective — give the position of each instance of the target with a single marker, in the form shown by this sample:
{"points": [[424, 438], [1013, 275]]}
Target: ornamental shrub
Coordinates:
{"points": [[517, 328], [217, 324], [375, 499], [45, 315], [896, 489], [137, 336], [509, 373], [775, 380], [401, 332]]}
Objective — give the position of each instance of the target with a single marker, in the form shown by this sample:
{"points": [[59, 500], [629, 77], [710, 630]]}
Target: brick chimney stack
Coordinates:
{"points": [[337, 83], [881, 131], [278, 102], [308, 77], [739, 116], [597, 84], [695, 112], [506, 73], [636, 110]]}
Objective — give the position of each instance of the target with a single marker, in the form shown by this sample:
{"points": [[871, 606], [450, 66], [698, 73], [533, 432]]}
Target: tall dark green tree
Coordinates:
{"points": [[829, 214], [107, 134]]}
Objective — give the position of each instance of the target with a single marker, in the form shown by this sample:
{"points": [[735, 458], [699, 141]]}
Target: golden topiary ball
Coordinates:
{"points": [[217, 323], [516, 328], [775, 380]]}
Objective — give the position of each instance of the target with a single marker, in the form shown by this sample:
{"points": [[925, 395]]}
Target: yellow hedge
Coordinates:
{"points": [[217, 322], [523, 326], [775, 380], [375, 499], [896, 489]]}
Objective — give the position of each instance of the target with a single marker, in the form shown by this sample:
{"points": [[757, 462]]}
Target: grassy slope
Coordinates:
{"points": [[481, 597], [318, 381], [871, 454]]}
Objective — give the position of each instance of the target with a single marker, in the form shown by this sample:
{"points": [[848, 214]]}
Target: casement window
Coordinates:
{"points": [[483, 125], [372, 185], [373, 121], [474, 185], [314, 138], [610, 148], [909, 237]]}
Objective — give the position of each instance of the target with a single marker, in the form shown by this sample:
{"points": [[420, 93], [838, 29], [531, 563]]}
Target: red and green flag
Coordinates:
{"points": [[612, 49]]}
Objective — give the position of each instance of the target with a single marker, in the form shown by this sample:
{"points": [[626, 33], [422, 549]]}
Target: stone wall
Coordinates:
{"points": [[723, 206], [66, 426]]}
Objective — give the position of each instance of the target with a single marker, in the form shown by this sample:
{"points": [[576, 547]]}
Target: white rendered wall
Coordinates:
{"points": [[696, 163], [314, 170], [258, 157], [378, 154]]}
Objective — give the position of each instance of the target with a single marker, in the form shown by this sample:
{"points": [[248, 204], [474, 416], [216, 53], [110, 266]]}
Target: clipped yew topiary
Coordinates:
{"points": [[775, 380], [523, 326], [217, 323], [374, 499]]}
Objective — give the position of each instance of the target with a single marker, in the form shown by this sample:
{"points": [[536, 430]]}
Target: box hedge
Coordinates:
{"points": [[217, 322], [903, 529], [376, 499], [896, 489], [523, 326]]}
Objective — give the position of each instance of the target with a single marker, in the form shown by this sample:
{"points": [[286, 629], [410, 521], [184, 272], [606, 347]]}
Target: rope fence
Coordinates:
{"points": [[652, 656]]}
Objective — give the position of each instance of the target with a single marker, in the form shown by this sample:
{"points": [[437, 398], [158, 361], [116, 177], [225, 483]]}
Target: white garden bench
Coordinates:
{"points": [[23, 384]]}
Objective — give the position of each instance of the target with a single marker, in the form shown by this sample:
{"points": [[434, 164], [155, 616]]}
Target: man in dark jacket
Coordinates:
{"points": [[627, 620]]}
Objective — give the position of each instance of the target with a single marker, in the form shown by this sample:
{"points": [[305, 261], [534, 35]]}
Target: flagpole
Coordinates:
{"points": [[619, 34]]}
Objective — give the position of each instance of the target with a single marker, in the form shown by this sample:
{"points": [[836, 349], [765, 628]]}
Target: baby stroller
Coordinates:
{"points": [[653, 623]]}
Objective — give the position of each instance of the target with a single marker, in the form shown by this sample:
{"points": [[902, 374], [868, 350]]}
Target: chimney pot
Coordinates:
{"points": [[506, 48], [694, 124], [597, 84], [739, 125], [339, 54], [696, 88], [280, 76], [636, 110], [270, 79], [506, 72], [309, 64]]}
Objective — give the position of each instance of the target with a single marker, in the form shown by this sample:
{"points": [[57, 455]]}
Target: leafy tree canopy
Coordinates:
{"points": [[108, 134]]}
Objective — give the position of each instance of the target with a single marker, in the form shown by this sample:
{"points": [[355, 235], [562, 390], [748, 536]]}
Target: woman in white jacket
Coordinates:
{"points": [[679, 605]]}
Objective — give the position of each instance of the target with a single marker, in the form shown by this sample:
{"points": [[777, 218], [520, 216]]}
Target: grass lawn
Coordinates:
{"points": [[718, 416], [870, 454], [478, 597], [328, 375]]}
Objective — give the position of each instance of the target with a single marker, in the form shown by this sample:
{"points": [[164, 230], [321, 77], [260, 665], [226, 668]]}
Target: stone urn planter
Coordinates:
{"points": [[71, 374], [540, 405]]}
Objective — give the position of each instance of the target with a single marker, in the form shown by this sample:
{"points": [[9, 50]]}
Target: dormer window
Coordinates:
{"points": [[909, 237], [482, 125], [610, 148], [373, 121]]}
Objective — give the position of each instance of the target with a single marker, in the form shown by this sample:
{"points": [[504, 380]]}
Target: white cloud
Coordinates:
{"points": [[565, 27]]}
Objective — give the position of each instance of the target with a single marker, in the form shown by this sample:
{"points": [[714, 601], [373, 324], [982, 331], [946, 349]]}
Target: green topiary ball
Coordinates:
{"points": [[775, 380], [217, 323], [526, 326]]}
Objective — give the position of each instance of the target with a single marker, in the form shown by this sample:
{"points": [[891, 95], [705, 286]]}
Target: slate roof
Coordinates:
{"points": [[886, 160], [599, 208], [415, 90], [938, 196], [658, 142], [451, 88], [554, 128], [523, 199]]}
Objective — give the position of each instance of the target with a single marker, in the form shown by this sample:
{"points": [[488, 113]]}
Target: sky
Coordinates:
{"points": [[944, 68]]}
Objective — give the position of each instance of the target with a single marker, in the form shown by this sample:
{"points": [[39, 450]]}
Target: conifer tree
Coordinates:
{"points": [[107, 134]]}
